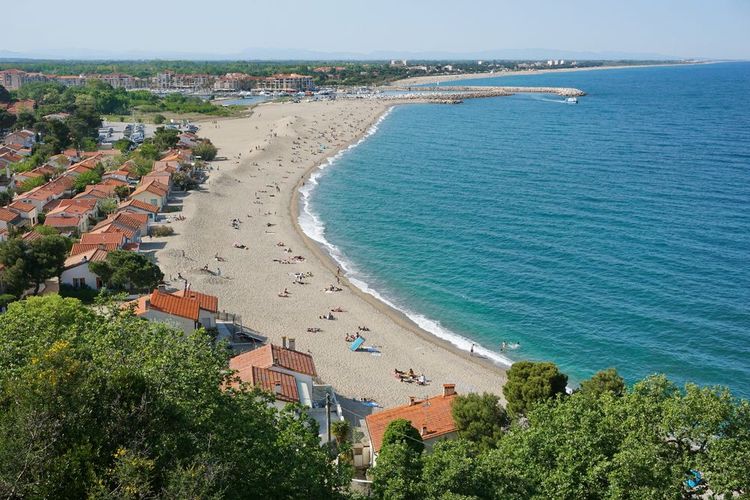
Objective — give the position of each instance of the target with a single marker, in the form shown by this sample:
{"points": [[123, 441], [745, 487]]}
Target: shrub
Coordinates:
{"points": [[159, 231]]}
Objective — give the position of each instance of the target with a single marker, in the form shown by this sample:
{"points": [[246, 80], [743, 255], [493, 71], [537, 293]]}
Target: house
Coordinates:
{"points": [[7, 179], [113, 238], [76, 272], [39, 197], [152, 192], [9, 219], [254, 366], [24, 138], [85, 208], [139, 207], [80, 248], [67, 223], [432, 417], [133, 225], [189, 311], [163, 177], [26, 210], [120, 175], [19, 107]]}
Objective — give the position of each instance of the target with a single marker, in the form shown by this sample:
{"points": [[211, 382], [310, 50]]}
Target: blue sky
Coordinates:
{"points": [[685, 28]]}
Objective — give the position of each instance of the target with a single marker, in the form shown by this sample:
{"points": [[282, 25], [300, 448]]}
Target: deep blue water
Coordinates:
{"points": [[615, 232]]}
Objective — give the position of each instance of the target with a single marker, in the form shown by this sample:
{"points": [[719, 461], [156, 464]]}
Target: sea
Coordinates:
{"points": [[610, 233]]}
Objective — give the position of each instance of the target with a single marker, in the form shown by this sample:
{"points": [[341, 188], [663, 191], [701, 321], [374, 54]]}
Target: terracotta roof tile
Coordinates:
{"points": [[93, 255], [174, 305], [433, 413], [102, 238], [271, 355], [267, 379], [207, 302], [8, 215], [148, 207], [79, 248]]}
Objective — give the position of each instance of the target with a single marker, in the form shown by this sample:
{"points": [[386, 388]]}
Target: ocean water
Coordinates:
{"points": [[615, 232]]}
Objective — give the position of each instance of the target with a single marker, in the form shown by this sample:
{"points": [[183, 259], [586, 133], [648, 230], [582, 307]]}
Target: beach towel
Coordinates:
{"points": [[357, 344]]}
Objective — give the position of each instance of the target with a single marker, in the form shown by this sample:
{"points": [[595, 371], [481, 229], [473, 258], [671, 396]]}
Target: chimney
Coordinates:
{"points": [[277, 387], [423, 431], [292, 344], [162, 289], [449, 390], [283, 342], [412, 400]]}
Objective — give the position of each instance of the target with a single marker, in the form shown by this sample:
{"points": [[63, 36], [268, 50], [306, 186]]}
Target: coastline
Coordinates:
{"points": [[254, 284], [421, 80]]}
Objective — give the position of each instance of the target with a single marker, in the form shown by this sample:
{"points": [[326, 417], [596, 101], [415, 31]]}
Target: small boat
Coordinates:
{"points": [[572, 100]]}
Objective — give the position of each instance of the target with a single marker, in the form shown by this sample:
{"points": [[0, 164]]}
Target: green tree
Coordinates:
{"points": [[451, 468], [159, 119], [165, 138], [123, 145], [340, 430], [4, 95], [604, 381], [131, 271], [122, 192], [479, 418], [103, 404], [6, 197], [86, 179], [7, 120], [205, 150], [530, 383], [397, 474], [401, 431], [30, 184], [107, 205], [30, 264]]}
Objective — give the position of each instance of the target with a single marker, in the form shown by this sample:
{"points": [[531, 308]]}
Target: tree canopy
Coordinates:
{"points": [[95, 406], [604, 381], [130, 271], [29, 264], [479, 418], [530, 383]]}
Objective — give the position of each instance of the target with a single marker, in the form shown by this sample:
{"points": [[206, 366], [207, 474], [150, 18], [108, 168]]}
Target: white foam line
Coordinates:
{"points": [[315, 228]]}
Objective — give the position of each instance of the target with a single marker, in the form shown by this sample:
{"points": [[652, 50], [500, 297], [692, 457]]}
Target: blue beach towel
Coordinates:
{"points": [[357, 344]]}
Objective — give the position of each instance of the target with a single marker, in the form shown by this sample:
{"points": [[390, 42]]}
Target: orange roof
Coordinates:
{"points": [[152, 186], [79, 169], [174, 305], [32, 236], [271, 355], [114, 228], [267, 379], [433, 413], [207, 302], [21, 206], [63, 220], [102, 238], [113, 182], [77, 206], [79, 248], [148, 207], [93, 255], [7, 215]]}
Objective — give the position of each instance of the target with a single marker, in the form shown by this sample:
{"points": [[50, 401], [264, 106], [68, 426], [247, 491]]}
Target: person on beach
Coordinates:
{"points": [[472, 350]]}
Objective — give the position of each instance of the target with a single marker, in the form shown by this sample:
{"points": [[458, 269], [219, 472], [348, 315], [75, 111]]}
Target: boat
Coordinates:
{"points": [[572, 100]]}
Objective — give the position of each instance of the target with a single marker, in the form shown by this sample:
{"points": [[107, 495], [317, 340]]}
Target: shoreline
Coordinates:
{"points": [[289, 135], [421, 80], [330, 262]]}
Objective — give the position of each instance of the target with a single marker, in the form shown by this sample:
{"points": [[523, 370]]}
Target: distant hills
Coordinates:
{"points": [[262, 54]]}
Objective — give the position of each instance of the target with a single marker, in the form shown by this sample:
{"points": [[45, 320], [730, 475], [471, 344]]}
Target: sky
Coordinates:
{"points": [[718, 29]]}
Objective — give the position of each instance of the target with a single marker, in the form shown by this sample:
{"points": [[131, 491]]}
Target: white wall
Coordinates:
{"points": [[80, 271], [185, 324]]}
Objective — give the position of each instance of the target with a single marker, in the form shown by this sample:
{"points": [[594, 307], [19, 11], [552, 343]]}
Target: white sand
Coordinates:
{"points": [[250, 279]]}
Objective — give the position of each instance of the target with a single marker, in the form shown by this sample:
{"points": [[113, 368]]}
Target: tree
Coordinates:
{"points": [[452, 469], [86, 179], [165, 138], [205, 150], [604, 381], [6, 197], [159, 119], [4, 95], [184, 181], [124, 270], [401, 431], [106, 405], [7, 120], [30, 264], [397, 475], [479, 418], [123, 145], [30, 184], [530, 383], [122, 192], [340, 430], [107, 205]]}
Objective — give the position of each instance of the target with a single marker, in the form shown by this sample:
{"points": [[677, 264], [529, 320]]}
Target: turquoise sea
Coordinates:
{"points": [[614, 232]]}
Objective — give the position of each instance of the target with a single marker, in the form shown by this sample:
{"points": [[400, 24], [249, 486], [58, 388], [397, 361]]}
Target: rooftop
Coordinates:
{"points": [[274, 356]]}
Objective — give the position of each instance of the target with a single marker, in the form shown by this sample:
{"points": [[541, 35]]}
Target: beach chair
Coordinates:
{"points": [[357, 344]]}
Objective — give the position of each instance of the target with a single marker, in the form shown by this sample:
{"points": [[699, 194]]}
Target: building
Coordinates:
{"points": [[432, 417], [26, 211], [139, 207], [76, 272], [187, 310], [153, 193], [9, 219], [24, 138], [14, 79], [286, 83]]}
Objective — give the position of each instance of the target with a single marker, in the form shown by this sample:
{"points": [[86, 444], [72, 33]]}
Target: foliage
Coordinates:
{"points": [[159, 119], [397, 473], [45, 230], [87, 179], [123, 145], [30, 184], [340, 430], [107, 205], [451, 469], [401, 431], [160, 231], [4, 95], [165, 138], [29, 264], [479, 418], [131, 271], [122, 192], [6, 197], [111, 406], [7, 120], [530, 383], [205, 150], [5, 299], [184, 181], [85, 294], [604, 381]]}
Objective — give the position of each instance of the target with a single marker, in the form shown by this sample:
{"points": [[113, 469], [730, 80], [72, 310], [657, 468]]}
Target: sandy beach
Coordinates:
{"points": [[422, 80], [268, 156]]}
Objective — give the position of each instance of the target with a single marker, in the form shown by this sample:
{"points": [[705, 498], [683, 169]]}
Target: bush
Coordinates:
{"points": [[159, 231], [86, 295], [6, 299], [205, 150], [159, 119]]}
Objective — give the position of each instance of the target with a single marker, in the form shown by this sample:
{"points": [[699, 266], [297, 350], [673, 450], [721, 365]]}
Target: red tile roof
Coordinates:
{"points": [[433, 413], [93, 255], [148, 207], [63, 220], [267, 379], [21, 206], [8, 215], [207, 302], [102, 238], [271, 355], [79, 248], [174, 305]]}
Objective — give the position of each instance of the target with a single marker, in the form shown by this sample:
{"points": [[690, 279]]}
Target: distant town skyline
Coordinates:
{"points": [[437, 28]]}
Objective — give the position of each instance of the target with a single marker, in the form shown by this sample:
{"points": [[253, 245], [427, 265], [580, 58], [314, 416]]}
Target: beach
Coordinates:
{"points": [[269, 155]]}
